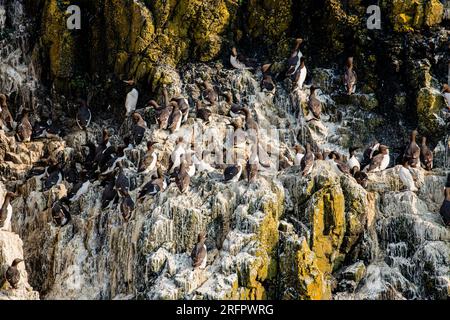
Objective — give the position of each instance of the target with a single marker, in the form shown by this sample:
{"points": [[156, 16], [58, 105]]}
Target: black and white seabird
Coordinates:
{"points": [[380, 161], [426, 155], [6, 211], [350, 77], [60, 214], [122, 184], [25, 129], [353, 161], [235, 109], [202, 112], [199, 253], [307, 162], [162, 114], [154, 186], [294, 60], [84, 115], [412, 151], [314, 104], [301, 73], [109, 194], [299, 154], [148, 163], [209, 93], [12, 274], [369, 153], [175, 118], [80, 188], [138, 129], [132, 98], [175, 157], [234, 60], [182, 178], [267, 83], [183, 105], [127, 207], [361, 177], [250, 123], [55, 176], [342, 166], [232, 173]]}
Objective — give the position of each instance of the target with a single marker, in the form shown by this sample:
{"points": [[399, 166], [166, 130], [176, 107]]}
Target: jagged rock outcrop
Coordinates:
{"points": [[10, 249]]}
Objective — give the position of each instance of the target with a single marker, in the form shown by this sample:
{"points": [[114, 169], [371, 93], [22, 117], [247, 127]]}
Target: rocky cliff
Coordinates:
{"points": [[282, 237]]}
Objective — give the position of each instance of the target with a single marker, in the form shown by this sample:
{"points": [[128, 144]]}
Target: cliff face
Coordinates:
{"points": [[137, 39], [286, 237]]}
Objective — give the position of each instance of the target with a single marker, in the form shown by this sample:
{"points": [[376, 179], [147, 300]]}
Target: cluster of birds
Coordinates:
{"points": [[109, 163], [375, 158]]}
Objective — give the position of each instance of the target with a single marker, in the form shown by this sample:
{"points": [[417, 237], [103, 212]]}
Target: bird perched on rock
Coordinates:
{"points": [[250, 123], [138, 129], [369, 153], [314, 104], [381, 161], [162, 113], [6, 211], [175, 118], [234, 60], [209, 93], [148, 163], [342, 166], [426, 155], [182, 178], [361, 177], [12, 274], [84, 115], [350, 77], [300, 75], [127, 207], [406, 176], [299, 154], [412, 151], [175, 157], [202, 112], [24, 129], [154, 186], [122, 184], [353, 161], [235, 109], [6, 118], [54, 177], [307, 162], [252, 164], [199, 253], [183, 105], [109, 194], [267, 83], [132, 98], [60, 214], [294, 60], [232, 173]]}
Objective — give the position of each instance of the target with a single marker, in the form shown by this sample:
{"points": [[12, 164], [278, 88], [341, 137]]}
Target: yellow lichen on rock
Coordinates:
{"points": [[410, 15], [328, 226]]}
